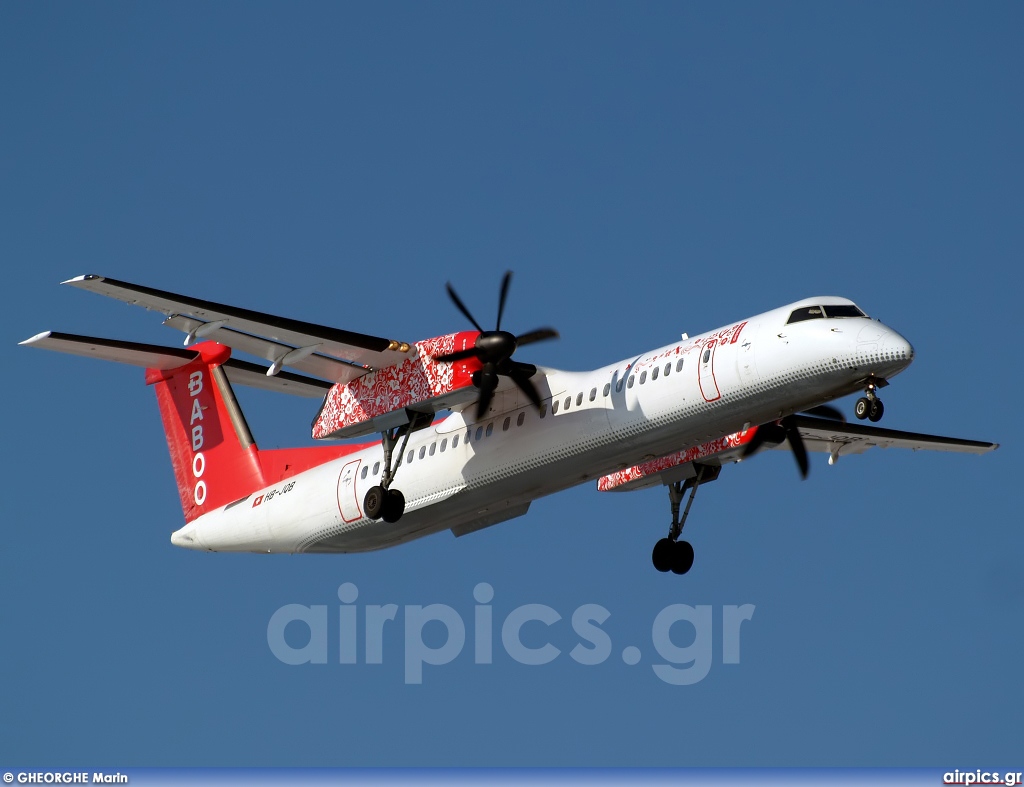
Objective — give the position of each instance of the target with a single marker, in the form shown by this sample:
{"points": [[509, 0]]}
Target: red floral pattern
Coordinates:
{"points": [[416, 379], [703, 451]]}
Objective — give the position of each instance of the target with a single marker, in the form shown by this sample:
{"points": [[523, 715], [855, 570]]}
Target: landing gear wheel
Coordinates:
{"points": [[374, 502], [394, 506], [662, 555], [682, 557], [862, 408], [876, 410]]}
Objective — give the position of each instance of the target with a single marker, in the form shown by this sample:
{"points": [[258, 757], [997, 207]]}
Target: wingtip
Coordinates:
{"points": [[83, 278], [37, 338]]}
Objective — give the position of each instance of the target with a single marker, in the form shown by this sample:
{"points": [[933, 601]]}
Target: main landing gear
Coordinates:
{"points": [[671, 554], [383, 502], [870, 406]]}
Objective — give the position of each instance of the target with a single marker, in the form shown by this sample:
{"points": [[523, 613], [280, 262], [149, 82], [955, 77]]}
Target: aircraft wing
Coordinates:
{"points": [[841, 439], [301, 340], [333, 369], [152, 356], [819, 434]]}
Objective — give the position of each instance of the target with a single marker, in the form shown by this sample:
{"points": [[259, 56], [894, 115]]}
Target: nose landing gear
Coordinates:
{"points": [[870, 406], [671, 554]]}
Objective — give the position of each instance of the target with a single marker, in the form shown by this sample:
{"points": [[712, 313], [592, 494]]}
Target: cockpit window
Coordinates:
{"points": [[805, 313], [843, 310]]}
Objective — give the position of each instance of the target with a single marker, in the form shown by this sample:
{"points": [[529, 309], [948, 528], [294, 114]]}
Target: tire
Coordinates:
{"points": [[876, 410], [373, 502], [682, 557], [394, 506], [662, 555], [862, 408]]}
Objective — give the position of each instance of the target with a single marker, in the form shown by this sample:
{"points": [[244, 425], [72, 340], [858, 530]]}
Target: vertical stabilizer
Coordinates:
{"points": [[214, 457]]}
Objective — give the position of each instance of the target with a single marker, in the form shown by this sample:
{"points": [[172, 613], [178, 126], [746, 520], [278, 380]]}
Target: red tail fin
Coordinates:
{"points": [[214, 457]]}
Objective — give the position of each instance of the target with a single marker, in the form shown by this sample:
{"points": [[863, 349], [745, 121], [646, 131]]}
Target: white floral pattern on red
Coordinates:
{"points": [[702, 451], [414, 380]]}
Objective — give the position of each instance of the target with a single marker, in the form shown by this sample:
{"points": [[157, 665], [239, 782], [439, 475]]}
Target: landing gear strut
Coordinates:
{"points": [[383, 502], [671, 554], [870, 406]]}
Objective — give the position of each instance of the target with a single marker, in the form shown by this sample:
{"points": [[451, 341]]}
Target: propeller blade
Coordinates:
{"points": [[521, 377], [826, 411], [486, 395], [494, 349], [539, 335], [796, 442], [775, 434], [501, 298], [767, 433], [462, 307], [458, 355]]}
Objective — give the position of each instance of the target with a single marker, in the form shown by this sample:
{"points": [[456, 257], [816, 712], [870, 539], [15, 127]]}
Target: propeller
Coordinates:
{"points": [[494, 350], [786, 429]]}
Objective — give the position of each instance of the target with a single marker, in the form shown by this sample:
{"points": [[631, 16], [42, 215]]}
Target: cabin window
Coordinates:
{"points": [[507, 424], [469, 432], [566, 403], [480, 433], [376, 468], [607, 389], [455, 443], [579, 398], [520, 419], [543, 409], [629, 383], [444, 444], [366, 469], [490, 428], [554, 406], [618, 386], [423, 451], [643, 377], [843, 310], [805, 313], [433, 448], [408, 459], [707, 354], [668, 368], [679, 365], [593, 394], [654, 374]]}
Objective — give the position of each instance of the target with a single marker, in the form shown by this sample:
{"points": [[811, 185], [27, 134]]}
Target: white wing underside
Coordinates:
{"points": [[332, 353], [151, 356], [841, 439], [819, 435]]}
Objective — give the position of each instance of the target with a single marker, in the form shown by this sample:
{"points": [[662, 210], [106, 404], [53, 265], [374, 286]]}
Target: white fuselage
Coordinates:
{"points": [[466, 474]]}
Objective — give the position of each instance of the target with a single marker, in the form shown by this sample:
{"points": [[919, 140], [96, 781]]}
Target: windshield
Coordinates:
{"points": [[843, 310], [818, 312]]}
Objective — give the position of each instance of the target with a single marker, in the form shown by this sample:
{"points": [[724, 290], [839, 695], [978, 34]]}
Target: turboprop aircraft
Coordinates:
{"points": [[514, 432]]}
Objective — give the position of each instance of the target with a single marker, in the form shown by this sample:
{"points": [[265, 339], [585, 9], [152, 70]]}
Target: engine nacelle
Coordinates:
{"points": [[401, 394]]}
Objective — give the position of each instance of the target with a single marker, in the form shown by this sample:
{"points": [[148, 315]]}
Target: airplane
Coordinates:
{"points": [[514, 432]]}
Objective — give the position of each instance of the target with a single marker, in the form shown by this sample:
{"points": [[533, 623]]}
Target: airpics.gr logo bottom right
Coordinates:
{"points": [[435, 635]]}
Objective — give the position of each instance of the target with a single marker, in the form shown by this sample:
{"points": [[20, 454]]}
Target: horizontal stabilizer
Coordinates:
{"points": [[153, 356]]}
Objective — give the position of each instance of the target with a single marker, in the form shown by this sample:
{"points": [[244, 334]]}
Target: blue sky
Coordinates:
{"points": [[645, 170]]}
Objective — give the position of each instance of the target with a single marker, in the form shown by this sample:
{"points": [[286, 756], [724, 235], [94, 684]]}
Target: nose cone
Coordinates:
{"points": [[898, 349], [186, 537]]}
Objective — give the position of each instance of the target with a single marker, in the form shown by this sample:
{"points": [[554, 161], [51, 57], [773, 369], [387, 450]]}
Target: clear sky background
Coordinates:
{"points": [[645, 170]]}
